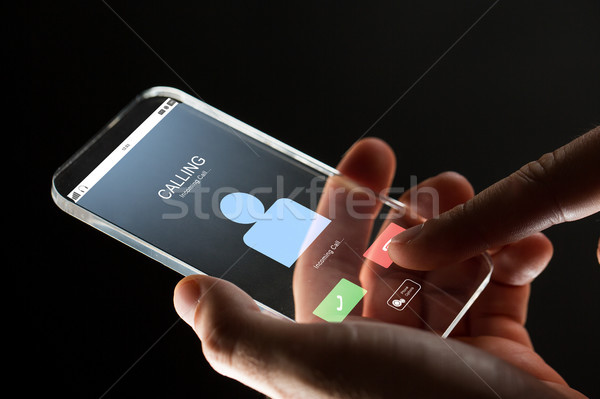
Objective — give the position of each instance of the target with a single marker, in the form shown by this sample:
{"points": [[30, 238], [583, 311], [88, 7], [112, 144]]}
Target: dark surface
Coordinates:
{"points": [[523, 81]]}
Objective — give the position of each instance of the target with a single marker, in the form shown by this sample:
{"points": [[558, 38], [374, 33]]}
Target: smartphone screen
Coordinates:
{"points": [[277, 224]]}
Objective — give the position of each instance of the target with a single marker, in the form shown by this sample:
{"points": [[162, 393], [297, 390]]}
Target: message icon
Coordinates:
{"points": [[378, 251], [404, 294]]}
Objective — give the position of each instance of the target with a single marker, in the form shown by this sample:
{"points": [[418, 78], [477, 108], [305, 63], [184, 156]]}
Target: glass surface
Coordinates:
{"points": [[223, 199]]}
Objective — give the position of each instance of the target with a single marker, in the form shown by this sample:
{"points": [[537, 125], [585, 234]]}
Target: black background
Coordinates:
{"points": [[95, 319]]}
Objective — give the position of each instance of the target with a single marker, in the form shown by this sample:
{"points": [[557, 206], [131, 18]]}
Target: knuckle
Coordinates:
{"points": [[231, 349], [540, 171], [219, 340], [541, 175]]}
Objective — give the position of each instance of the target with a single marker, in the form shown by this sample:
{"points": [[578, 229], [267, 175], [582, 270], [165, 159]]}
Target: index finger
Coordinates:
{"points": [[561, 186]]}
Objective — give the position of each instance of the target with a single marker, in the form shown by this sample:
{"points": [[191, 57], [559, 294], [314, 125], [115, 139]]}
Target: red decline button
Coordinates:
{"points": [[377, 252]]}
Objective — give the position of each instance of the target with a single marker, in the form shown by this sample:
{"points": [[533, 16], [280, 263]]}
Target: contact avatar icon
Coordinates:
{"points": [[282, 233]]}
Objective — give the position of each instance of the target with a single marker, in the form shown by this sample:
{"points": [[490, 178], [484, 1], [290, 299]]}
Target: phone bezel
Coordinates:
{"points": [[118, 125]]}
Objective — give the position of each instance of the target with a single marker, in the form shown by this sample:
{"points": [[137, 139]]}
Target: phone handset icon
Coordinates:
{"points": [[339, 308], [387, 244]]}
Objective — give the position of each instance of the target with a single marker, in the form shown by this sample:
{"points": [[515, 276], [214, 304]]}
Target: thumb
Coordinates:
{"points": [[277, 357], [281, 358], [237, 338]]}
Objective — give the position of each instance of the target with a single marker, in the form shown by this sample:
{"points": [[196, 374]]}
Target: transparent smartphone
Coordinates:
{"points": [[204, 193]]}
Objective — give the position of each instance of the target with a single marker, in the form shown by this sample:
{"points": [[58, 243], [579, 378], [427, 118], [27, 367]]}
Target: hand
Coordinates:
{"points": [[489, 355], [561, 186]]}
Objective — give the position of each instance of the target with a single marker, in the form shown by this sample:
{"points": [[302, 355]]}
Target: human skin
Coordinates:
{"points": [[488, 355], [561, 186]]}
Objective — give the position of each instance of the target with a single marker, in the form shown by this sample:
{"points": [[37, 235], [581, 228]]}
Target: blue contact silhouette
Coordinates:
{"points": [[282, 233]]}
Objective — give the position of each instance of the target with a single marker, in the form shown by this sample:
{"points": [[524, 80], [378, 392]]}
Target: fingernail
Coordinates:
{"points": [[186, 299], [408, 235]]}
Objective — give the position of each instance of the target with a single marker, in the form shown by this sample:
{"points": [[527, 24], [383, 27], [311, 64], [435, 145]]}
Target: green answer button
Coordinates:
{"points": [[340, 301]]}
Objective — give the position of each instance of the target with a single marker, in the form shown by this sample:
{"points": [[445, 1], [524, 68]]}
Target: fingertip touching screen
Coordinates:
{"points": [[301, 239]]}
